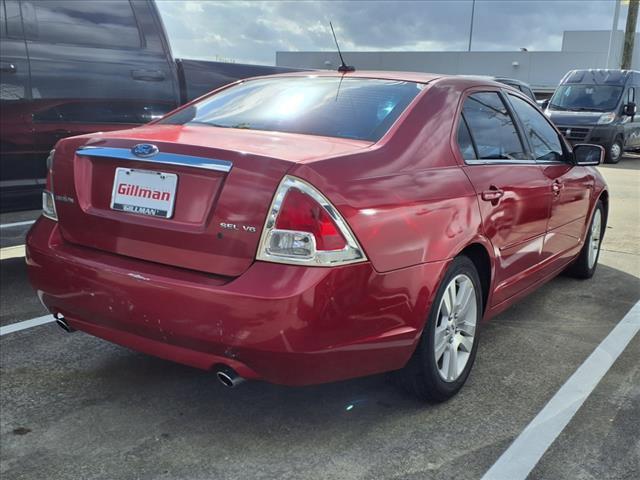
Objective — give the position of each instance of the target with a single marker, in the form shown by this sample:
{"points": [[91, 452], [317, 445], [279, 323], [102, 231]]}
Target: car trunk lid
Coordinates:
{"points": [[224, 182]]}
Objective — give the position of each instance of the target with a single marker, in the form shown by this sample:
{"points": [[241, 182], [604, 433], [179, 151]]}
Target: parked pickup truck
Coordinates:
{"points": [[69, 67]]}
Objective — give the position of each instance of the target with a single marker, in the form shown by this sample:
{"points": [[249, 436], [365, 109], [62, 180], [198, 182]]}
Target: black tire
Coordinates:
{"points": [[614, 152], [582, 267], [420, 376]]}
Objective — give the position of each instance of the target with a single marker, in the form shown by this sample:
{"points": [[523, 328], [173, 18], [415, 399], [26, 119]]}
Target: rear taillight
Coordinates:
{"points": [[49, 161], [303, 228], [48, 205], [48, 201]]}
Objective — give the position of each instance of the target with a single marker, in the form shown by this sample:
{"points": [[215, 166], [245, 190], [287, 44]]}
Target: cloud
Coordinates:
{"points": [[252, 31], [193, 7]]}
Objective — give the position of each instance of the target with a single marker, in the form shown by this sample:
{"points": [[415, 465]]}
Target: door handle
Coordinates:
{"points": [[6, 67], [493, 195], [557, 186], [148, 75]]}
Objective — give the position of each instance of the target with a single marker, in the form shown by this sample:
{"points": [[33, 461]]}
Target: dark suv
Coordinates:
{"points": [[598, 106], [518, 85], [71, 67]]}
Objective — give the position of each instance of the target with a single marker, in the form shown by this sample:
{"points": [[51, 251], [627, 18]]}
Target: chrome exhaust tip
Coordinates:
{"points": [[229, 378], [62, 323]]}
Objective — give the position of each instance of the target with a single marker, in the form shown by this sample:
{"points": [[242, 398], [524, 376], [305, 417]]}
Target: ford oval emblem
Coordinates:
{"points": [[144, 150]]}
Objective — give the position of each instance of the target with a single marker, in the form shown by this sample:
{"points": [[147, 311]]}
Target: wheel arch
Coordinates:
{"points": [[479, 254], [604, 198]]}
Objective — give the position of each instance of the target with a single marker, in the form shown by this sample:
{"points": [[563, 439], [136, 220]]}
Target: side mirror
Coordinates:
{"points": [[586, 155], [630, 109], [545, 104]]}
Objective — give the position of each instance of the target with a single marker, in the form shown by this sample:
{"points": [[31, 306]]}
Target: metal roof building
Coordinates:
{"points": [[540, 69]]}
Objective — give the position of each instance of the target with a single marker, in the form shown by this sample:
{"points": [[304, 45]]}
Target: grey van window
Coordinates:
{"points": [[542, 137], [631, 95], [594, 98], [96, 23], [492, 128]]}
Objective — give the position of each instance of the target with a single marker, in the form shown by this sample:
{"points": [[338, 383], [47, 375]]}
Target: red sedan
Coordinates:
{"points": [[311, 228]]}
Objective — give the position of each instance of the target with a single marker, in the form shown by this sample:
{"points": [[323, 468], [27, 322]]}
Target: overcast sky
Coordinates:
{"points": [[252, 31]]}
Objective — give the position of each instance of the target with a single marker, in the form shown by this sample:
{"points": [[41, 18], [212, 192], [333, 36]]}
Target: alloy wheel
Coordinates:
{"points": [[615, 151], [455, 328], [594, 237]]}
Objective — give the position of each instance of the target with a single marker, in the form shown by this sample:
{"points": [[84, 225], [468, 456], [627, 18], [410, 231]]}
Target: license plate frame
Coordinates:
{"points": [[150, 193]]}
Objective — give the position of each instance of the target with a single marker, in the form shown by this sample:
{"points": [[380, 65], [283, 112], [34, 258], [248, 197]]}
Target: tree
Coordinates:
{"points": [[630, 34]]}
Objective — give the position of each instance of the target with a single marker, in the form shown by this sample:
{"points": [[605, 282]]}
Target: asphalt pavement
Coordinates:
{"points": [[75, 407]]}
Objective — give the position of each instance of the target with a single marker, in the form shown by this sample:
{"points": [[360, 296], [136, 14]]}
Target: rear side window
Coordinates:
{"points": [[357, 108], [492, 128], [542, 137], [464, 141], [95, 23]]}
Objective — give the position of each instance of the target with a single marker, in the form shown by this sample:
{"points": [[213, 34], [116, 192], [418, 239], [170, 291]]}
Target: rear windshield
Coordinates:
{"points": [[357, 108]]}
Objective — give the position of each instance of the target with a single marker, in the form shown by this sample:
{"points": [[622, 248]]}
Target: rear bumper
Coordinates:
{"points": [[284, 324]]}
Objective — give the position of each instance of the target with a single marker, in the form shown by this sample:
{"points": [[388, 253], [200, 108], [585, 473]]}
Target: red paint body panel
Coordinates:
{"points": [[188, 290], [288, 324], [515, 225], [205, 199]]}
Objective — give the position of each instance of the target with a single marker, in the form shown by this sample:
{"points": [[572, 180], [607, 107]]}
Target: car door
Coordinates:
{"points": [[511, 188], [569, 186], [94, 67], [16, 137]]}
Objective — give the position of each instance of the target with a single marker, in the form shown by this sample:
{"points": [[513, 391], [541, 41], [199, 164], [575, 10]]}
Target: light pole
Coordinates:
{"points": [[614, 29], [630, 34], [473, 11]]}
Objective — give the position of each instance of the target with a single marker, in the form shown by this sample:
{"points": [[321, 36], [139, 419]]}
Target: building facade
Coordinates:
{"points": [[542, 70]]}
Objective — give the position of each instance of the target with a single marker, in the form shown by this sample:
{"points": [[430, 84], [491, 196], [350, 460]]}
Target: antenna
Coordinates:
{"points": [[344, 68]]}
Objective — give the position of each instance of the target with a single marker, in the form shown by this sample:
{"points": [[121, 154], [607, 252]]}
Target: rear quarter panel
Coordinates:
{"points": [[406, 199]]}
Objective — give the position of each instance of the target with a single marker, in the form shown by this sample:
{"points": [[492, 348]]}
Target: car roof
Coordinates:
{"points": [[417, 77], [463, 81], [599, 76]]}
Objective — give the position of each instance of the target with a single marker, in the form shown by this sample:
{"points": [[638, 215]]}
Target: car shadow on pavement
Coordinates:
{"points": [[531, 335], [17, 299], [628, 162], [89, 404]]}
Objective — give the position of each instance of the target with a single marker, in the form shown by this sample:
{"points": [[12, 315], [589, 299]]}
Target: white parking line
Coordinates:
{"points": [[525, 452], [17, 224], [12, 252], [34, 322]]}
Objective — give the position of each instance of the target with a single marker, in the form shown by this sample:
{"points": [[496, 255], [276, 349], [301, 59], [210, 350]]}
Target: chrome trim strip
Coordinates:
{"points": [[161, 157], [514, 163]]}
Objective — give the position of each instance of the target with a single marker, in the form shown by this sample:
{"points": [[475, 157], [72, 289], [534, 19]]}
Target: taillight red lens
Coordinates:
{"points": [[300, 212], [49, 162]]}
